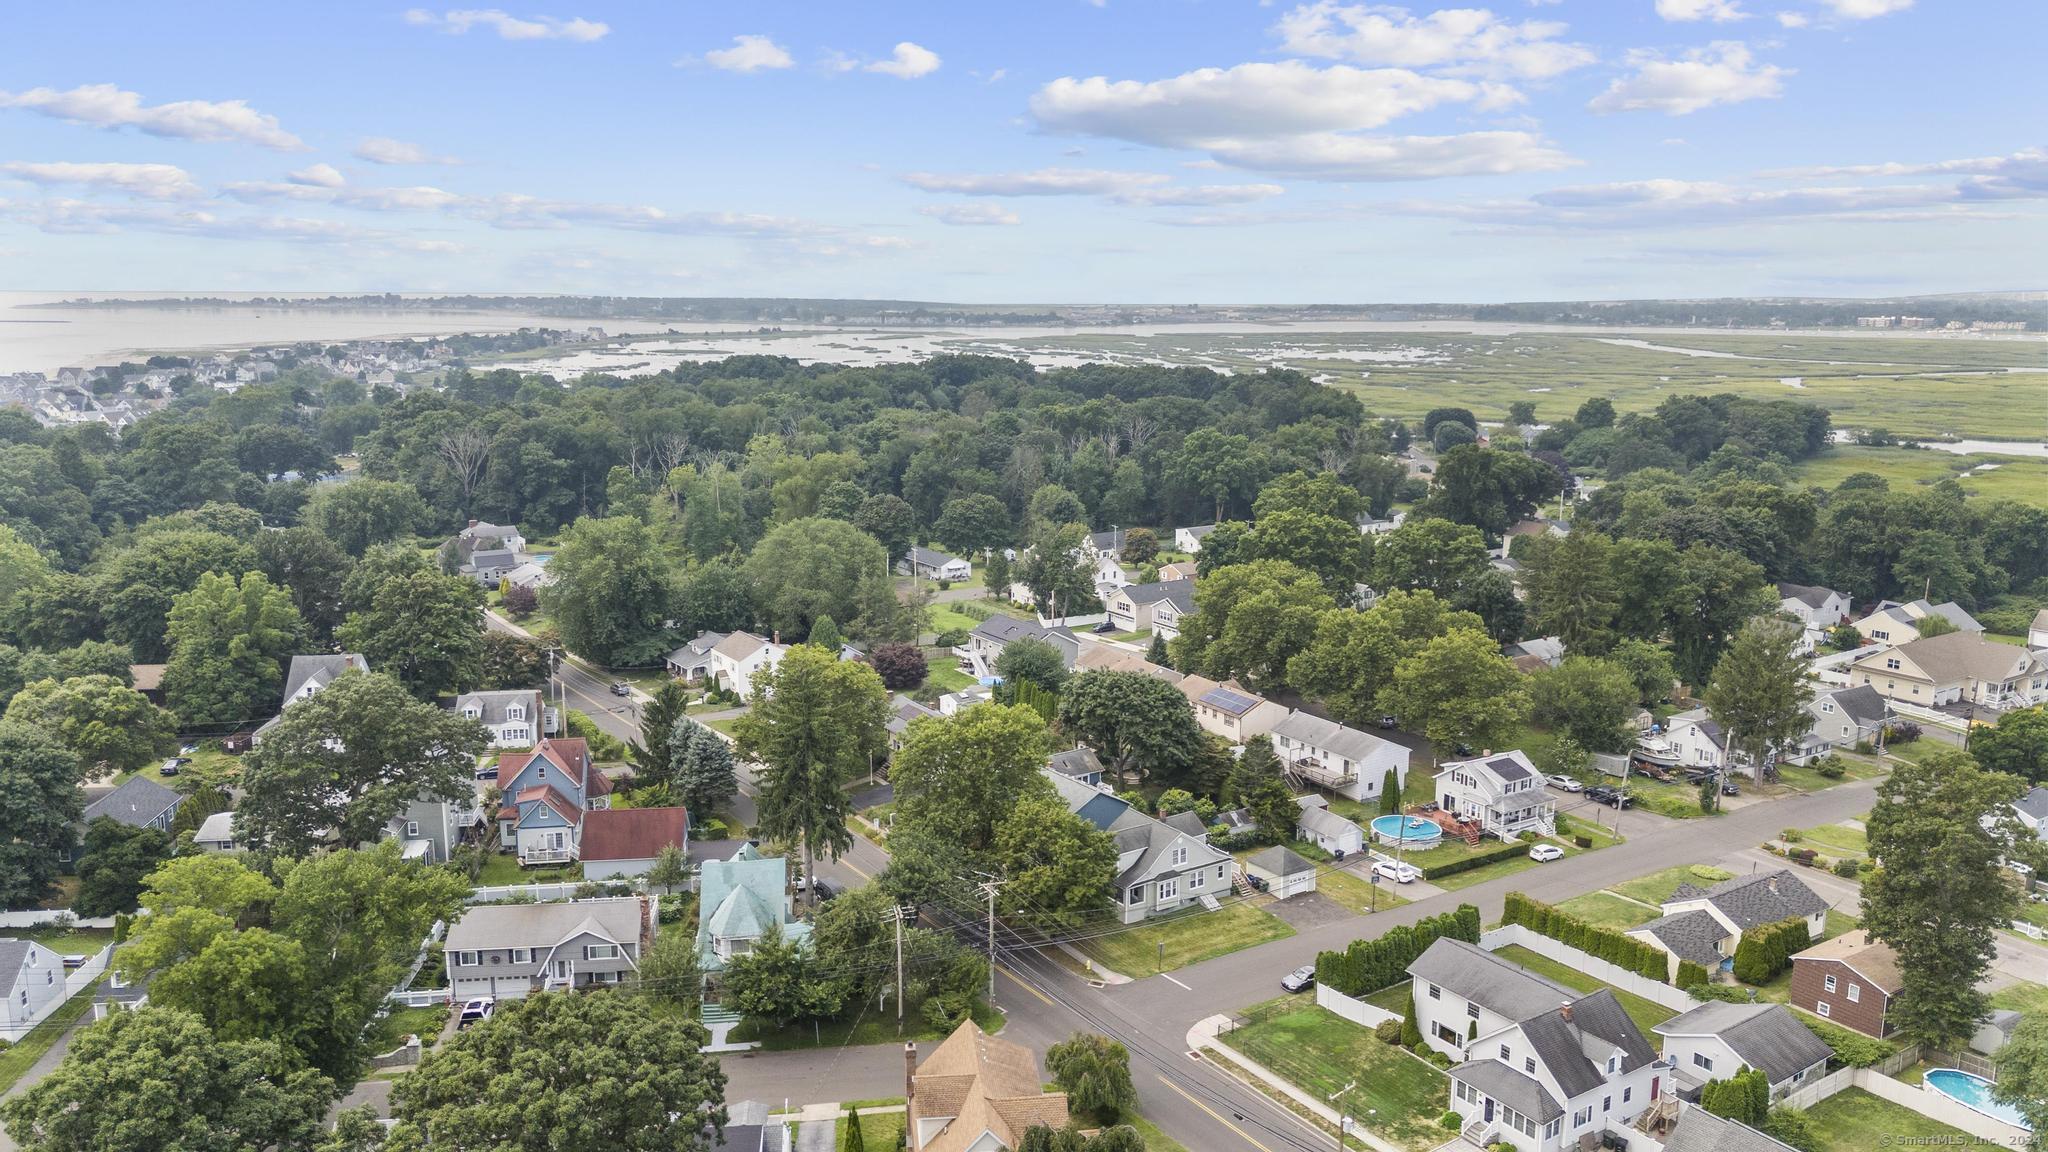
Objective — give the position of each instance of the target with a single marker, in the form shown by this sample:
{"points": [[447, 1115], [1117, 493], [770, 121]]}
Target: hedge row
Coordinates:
{"points": [[1767, 949], [1744, 1097], [1618, 949], [1370, 965], [1852, 1049], [1507, 851]]}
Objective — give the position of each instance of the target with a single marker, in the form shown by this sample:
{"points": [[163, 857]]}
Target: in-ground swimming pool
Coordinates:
{"points": [[1409, 831], [1972, 1092]]}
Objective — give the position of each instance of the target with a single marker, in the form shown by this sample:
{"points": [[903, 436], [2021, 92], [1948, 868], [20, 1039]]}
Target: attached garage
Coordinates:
{"points": [[1285, 873]]}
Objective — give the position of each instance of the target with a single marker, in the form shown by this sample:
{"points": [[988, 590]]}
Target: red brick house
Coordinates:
{"points": [[1850, 980]]}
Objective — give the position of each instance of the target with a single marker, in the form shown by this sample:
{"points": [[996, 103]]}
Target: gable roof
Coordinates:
{"points": [[740, 645], [1330, 736], [135, 803], [742, 897], [632, 833], [1522, 1093], [1960, 656], [1688, 935], [485, 926], [1702, 720], [1108, 658], [931, 557], [493, 558], [1874, 960], [493, 705], [485, 530], [218, 828], [984, 1084], [320, 670], [1699, 1130], [1506, 988], [1078, 761], [1504, 768], [1764, 898], [1187, 823], [1326, 823], [2035, 803], [14, 956], [1108, 543], [1280, 861], [1810, 595], [569, 755], [1229, 697], [1159, 590], [1864, 705], [1766, 1036], [1573, 1040]]}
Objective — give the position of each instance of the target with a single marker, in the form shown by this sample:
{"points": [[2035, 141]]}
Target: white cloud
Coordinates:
{"points": [[1686, 11], [384, 150], [749, 54], [1145, 189], [81, 216], [965, 215], [1335, 156], [1723, 72], [508, 27], [908, 62], [145, 181], [1201, 195], [318, 175], [414, 199], [1865, 9], [106, 106], [1467, 40], [2021, 175], [1792, 20]]}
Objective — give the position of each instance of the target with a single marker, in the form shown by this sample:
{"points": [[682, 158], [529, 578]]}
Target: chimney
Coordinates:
{"points": [[1565, 1012], [777, 634], [472, 523], [910, 1094]]}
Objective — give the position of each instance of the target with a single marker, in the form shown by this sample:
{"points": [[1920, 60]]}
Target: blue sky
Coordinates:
{"points": [[1212, 151]]}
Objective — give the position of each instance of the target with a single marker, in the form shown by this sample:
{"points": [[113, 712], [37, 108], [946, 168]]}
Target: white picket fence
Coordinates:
{"points": [[421, 999], [538, 893], [1601, 970], [2029, 930]]}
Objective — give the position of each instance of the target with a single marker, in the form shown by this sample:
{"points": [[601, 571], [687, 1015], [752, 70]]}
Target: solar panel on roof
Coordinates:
{"points": [[1230, 701]]}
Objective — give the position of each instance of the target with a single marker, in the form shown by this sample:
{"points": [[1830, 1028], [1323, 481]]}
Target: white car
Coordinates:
{"points": [[476, 1012], [1545, 853], [1564, 784], [1399, 873]]}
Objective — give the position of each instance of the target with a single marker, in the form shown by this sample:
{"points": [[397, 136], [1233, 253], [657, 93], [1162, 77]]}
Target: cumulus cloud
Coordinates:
{"points": [[1145, 189], [107, 106], [318, 175], [1864, 9], [144, 181], [908, 62], [458, 21], [749, 54], [1687, 11], [970, 215], [1792, 20], [1724, 72], [1457, 40], [384, 150]]}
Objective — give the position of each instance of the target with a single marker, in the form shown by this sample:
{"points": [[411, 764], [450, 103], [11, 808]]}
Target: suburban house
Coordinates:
{"points": [[1132, 607], [621, 843], [1099, 544], [515, 718], [488, 566], [118, 992], [1110, 658], [727, 659], [148, 679], [1229, 711], [1344, 760], [927, 564], [1323, 828], [511, 951], [1502, 793], [307, 675], [1892, 622], [1535, 654], [2033, 810], [1170, 611], [750, 1128], [903, 710], [546, 793], [1696, 739], [216, 833], [1850, 980], [1371, 525], [1815, 607], [32, 977], [1956, 668], [1716, 1040], [1842, 718], [430, 828], [1704, 925], [1189, 540], [137, 802], [1162, 866], [1544, 1067], [986, 643], [531, 575], [740, 900], [1284, 871], [483, 534], [1079, 763], [975, 1093], [2037, 637], [1179, 570]]}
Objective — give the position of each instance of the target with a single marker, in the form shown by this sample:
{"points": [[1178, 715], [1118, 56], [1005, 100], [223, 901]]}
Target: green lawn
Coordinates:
{"points": [[1675, 801], [944, 618], [1857, 767], [501, 868], [1185, 938], [1836, 839], [1155, 1140], [2030, 998], [868, 1027], [1609, 911], [1657, 887], [69, 942], [1646, 1013], [1396, 1095], [20, 1057], [1854, 1120], [879, 1131], [943, 676], [426, 1023], [1357, 893], [1392, 999]]}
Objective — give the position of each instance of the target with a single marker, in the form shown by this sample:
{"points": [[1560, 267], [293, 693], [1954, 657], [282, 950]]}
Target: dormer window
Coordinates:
{"points": [[473, 712], [515, 712]]}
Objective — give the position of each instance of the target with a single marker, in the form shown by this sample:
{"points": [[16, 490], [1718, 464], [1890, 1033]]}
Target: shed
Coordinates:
{"points": [[1285, 872]]}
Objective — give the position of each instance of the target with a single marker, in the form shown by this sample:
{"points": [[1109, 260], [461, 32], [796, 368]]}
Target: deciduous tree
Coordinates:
{"points": [[959, 776], [39, 804], [1060, 868], [118, 858], [1460, 690], [816, 567], [1138, 722], [1250, 620], [425, 629], [1760, 691], [111, 726], [2017, 744], [1587, 698], [1095, 1073], [611, 593], [229, 640]]}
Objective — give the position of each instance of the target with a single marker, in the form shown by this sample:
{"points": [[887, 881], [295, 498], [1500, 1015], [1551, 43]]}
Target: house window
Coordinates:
{"points": [[1529, 1065], [515, 712], [1613, 1063], [1855, 993], [1472, 1010], [1704, 1063], [412, 828], [600, 951], [1876, 634], [1506, 1053], [1219, 871], [522, 956], [1821, 1007], [1828, 984], [1168, 889], [1828, 706], [1195, 880], [465, 959], [1180, 856], [1136, 896], [1891, 665], [1550, 1130], [1606, 1104], [1626, 1093], [473, 712], [1435, 993], [1582, 1117]]}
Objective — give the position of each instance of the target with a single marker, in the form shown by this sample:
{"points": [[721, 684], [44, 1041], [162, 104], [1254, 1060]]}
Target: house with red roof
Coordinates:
{"points": [[621, 843], [547, 794]]}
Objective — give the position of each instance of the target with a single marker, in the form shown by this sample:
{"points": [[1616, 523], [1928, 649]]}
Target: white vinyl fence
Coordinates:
{"points": [[1601, 970], [1932, 1105], [1351, 1008]]}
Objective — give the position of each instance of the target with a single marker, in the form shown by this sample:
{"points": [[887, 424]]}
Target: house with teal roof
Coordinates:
{"points": [[740, 900]]}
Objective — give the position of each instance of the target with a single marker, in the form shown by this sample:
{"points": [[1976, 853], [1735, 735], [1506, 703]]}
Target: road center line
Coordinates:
{"points": [[1213, 1114]]}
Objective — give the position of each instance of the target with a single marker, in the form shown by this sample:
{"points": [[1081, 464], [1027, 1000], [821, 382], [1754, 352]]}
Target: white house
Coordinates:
{"points": [[1168, 614], [1189, 539], [1134, 607], [1503, 793], [1162, 865], [986, 643], [2037, 632], [511, 951], [2033, 810], [1894, 622], [1716, 1040], [32, 977], [1543, 1066], [1956, 668], [485, 535], [1815, 607], [216, 833], [929, 564], [1323, 828], [1229, 711], [727, 659], [1705, 925], [1379, 526], [1284, 872], [1696, 739], [1344, 760], [515, 718]]}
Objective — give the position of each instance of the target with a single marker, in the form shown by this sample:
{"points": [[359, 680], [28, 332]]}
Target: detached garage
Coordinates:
{"points": [[1285, 873]]}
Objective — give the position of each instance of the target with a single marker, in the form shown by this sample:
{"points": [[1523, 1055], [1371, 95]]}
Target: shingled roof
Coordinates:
{"points": [[1689, 935], [979, 1083], [1764, 898], [1766, 1036]]}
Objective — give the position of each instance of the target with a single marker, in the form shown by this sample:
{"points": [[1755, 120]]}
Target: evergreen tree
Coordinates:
{"points": [[653, 754], [1156, 652], [706, 778], [1390, 793], [825, 634]]}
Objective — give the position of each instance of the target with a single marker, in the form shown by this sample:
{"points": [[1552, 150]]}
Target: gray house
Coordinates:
{"points": [[986, 643], [139, 803], [1716, 1040], [1162, 865], [511, 951], [487, 566], [33, 977]]}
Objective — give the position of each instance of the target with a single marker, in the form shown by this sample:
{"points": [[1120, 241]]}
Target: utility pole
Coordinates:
{"points": [[1343, 1122], [896, 914], [988, 888]]}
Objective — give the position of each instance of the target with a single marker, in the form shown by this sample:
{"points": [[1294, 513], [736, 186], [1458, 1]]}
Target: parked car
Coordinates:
{"points": [[1730, 788], [1399, 872], [488, 770], [168, 767], [1612, 797], [1390, 721], [187, 749], [475, 1011], [1545, 853], [1103, 628], [1299, 980], [621, 688], [1564, 783]]}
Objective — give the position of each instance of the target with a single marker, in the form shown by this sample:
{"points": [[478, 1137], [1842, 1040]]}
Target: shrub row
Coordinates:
{"points": [[1767, 949], [1852, 1049], [1494, 855], [1370, 965], [1600, 943]]}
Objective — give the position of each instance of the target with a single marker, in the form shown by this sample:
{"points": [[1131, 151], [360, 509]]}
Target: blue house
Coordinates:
{"points": [[546, 792]]}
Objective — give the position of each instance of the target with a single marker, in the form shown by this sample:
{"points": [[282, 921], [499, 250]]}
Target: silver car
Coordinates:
{"points": [[1299, 980], [1564, 784]]}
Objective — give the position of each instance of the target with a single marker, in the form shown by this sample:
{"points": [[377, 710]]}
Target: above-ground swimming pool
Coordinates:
{"points": [[1411, 831], [1972, 1092]]}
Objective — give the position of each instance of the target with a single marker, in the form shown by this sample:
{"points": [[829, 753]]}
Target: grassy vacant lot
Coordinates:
{"points": [[1357, 893], [2022, 997], [1320, 1052], [1857, 767], [2004, 477], [67, 942], [1853, 1120], [947, 619], [1646, 1013], [1657, 887], [425, 1023], [1185, 938], [1609, 911], [1837, 839]]}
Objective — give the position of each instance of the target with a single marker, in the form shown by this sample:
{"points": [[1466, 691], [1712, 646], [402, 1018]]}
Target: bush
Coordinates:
{"points": [[951, 638], [1804, 856], [1600, 943], [1691, 974], [1790, 1126], [1830, 767], [1729, 993], [1846, 868], [1450, 1121], [900, 666], [1901, 732], [1789, 835], [1767, 949], [1477, 860], [1583, 841], [1852, 1049], [1388, 1031]]}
